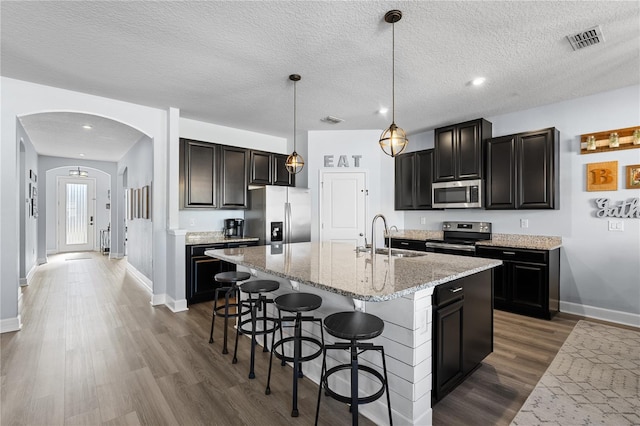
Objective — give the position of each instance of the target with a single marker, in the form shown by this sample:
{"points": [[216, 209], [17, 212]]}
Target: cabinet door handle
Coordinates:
{"points": [[509, 253], [404, 243], [455, 290]]}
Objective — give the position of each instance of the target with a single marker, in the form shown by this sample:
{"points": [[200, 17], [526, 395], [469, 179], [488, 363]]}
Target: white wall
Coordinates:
{"points": [[28, 162], [213, 220], [600, 269], [138, 162], [23, 98], [51, 174], [379, 166]]}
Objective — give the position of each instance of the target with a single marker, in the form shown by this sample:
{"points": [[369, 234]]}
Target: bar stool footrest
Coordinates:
{"points": [[347, 399], [283, 357]]}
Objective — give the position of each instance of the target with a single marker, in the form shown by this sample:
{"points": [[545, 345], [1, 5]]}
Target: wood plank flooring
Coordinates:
{"points": [[92, 350]]}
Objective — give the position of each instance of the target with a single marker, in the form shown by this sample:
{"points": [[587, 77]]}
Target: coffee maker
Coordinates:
{"points": [[233, 228]]}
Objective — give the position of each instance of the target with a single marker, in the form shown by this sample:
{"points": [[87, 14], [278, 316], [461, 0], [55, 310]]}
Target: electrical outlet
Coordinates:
{"points": [[192, 222], [423, 221], [524, 223], [616, 225]]}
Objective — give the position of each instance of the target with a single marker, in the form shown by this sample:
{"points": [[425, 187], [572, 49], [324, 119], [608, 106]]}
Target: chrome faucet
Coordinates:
{"points": [[373, 231]]}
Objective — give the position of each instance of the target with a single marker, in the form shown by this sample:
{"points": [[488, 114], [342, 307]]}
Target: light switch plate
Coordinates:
{"points": [[616, 225], [423, 221], [524, 223]]}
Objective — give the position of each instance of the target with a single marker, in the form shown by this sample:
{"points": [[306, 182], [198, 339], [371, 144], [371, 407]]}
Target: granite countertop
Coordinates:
{"points": [[532, 242], [338, 268], [213, 237]]}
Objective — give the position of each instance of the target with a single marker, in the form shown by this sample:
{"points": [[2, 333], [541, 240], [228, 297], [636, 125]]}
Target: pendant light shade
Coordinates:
{"points": [[393, 140], [295, 162]]}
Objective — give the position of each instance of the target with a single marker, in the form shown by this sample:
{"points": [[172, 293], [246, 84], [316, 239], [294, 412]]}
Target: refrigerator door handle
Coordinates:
{"points": [[287, 223]]}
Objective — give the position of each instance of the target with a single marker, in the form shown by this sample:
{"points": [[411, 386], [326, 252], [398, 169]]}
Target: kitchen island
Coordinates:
{"points": [[398, 288]]}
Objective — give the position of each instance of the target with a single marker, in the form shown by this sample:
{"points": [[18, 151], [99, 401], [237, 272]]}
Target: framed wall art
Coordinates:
{"points": [[633, 176], [602, 176], [145, 202]]}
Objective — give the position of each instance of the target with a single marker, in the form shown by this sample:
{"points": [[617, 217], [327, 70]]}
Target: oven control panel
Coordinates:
{"points": [[483, 227]]}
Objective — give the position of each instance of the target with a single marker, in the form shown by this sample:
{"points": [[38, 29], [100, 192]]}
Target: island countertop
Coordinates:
{"points": [[338, 268]]}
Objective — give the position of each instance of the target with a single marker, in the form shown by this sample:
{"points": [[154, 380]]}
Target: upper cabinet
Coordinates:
{"points": [[413, 178], [458, 150], [267, 168], [522, 171], [198, 174], [233, 177]]}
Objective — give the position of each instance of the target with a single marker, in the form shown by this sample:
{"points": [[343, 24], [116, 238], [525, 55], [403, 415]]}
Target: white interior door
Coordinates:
{"points": [[76, 214], [343, 206]]}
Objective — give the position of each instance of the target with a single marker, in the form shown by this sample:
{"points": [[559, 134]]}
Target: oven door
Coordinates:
{"points": [[447, 248]]}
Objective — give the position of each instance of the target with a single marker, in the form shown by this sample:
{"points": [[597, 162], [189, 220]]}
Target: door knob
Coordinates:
{"points": [[361, 234]]}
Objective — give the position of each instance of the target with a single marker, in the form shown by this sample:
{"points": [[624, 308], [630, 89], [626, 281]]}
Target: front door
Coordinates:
{"points": [[76, 214], [343, 207]]}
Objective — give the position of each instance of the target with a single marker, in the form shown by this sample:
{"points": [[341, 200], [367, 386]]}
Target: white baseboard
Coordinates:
{"points": [[618, 317], [146, 282], [113, 255], [52, 251], [41, 261], [176, 305], [10, 324], [158, 299]]}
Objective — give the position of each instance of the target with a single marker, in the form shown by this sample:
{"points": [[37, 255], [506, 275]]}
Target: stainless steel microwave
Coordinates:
{"points": [[461, 194]]}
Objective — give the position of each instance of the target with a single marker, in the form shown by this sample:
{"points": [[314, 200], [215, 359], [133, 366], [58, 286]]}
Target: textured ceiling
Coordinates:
{"points": [[228, 62]]}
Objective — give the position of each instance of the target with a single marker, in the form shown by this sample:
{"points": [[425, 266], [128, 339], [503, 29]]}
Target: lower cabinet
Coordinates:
{"points": [[462, 330], [200, 284], [401, 243], [528, 282]]}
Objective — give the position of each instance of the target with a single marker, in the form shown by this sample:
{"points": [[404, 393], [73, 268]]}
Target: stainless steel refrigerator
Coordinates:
{"points": [[279, 214]]}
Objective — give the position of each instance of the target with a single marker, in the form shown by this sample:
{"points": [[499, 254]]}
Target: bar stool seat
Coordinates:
{"points": [[354, 326], [229, 288], [295, 303], [249, 326]]}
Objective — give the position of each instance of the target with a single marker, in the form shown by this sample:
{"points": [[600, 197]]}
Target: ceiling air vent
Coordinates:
{"points": [[586, 38], [331, 119]]}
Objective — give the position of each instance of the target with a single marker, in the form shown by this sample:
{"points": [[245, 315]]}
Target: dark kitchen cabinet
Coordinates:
{"points": [[522, 171], [233, 177], [267, 168], [528, 282], [198, 174], [201, 270], [458, 150], [413, 179], [463, 330], [406, 244]]}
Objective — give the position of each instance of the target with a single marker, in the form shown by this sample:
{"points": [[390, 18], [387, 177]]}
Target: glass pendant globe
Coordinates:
{"points": [[393, 140], [294, 163]]}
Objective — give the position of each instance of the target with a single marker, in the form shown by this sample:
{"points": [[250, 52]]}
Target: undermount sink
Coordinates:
{"points": [[394, 252]]}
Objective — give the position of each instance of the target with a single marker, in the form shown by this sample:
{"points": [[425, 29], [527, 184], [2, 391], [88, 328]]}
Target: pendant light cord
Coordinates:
{"points": [[393, 72], [294, 116]]}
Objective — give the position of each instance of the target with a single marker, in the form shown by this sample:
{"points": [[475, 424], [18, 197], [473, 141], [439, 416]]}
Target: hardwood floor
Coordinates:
{"points": [[92, 350]]}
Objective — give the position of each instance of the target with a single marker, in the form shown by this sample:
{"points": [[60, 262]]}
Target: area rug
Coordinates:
{"points": [[593, 380]]}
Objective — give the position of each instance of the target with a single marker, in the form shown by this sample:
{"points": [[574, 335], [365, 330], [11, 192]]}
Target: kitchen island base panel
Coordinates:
{"points": [[407, 343]]}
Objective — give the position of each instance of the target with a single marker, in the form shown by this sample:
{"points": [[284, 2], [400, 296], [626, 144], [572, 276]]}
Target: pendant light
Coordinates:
{"points": [[295, 162], [393, 140], [78, 173]]}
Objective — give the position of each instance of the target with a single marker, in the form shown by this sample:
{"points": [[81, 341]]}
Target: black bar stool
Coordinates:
{"points": [[229, 287], [295, 303], [257, 287], [354, 326]]}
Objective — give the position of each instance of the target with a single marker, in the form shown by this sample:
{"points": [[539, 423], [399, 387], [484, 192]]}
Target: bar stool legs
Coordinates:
{"points": [[230, 288]]}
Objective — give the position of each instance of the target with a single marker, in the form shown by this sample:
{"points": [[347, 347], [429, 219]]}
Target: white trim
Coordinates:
{"points": [[113, 255], [10, 324], [177, 231], [52, 251], [42, 260], [619, 317], [176, 305], [146, 282], [158, 299]]}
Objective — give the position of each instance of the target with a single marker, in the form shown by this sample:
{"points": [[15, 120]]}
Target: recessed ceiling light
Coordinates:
{"points": [[383, 110], [81, 155], [479, 81], [87, 126]]}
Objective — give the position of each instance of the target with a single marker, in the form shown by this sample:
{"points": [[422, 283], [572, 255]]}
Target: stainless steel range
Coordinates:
{"points": [[460, 238]]}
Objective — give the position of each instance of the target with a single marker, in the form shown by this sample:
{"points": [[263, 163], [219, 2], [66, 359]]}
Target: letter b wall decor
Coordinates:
{"points": [[602, 176]]}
